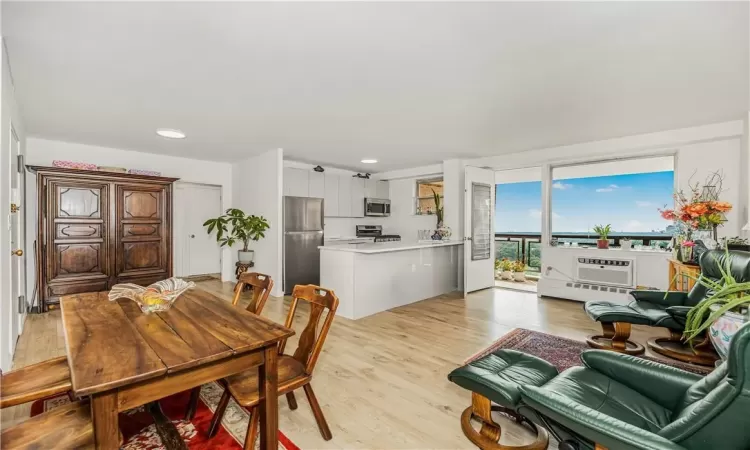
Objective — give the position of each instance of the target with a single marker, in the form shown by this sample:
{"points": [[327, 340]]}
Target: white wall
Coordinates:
{"points": [[9, 116], [43, 152], [258, 189]]}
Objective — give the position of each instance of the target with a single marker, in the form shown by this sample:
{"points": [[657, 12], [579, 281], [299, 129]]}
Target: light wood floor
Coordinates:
{"points": [[381, 380]]}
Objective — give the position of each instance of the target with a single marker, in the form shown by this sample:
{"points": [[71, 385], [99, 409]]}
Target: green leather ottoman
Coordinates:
{"points": [[497, 378], [616, 323]]}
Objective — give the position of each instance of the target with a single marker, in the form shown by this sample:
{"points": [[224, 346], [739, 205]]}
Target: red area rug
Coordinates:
{"points": [[560, 352], [139, 432]]}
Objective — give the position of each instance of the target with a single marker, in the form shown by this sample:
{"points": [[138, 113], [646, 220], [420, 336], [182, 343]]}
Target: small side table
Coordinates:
{"points": [[678, 275], [241, 268]]}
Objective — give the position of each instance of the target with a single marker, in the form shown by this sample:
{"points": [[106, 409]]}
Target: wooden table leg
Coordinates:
{"points": [[269, 406], [104, 416]]}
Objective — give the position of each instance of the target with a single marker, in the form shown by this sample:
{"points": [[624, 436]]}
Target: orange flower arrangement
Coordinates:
{"points": [[698, 212]]}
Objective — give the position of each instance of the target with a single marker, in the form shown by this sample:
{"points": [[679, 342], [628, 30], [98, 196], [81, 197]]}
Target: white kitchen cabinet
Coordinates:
{"points": [[358, 197], [331, 197], [345, 196], [316, 184], [382, 189], [296, 182], [371, 189]]}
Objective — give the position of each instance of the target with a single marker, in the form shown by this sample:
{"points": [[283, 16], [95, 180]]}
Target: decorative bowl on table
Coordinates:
{"points": [[156, 297]]}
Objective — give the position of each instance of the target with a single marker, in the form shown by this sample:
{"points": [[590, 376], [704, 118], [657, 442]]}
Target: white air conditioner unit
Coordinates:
{"points": [[605, 271]]}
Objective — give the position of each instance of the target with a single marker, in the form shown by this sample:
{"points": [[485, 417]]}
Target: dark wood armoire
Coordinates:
{"points": [[97, 229]]}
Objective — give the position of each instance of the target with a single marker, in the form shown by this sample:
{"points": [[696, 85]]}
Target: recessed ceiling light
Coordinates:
{"points": [[170, 133], [369, 161]]}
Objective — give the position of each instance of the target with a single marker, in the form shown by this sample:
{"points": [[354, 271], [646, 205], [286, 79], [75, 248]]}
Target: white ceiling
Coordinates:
{"points": [[406, 83]]}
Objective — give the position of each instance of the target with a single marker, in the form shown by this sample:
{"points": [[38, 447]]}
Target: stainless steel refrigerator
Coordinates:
{"points": [[303, 234]]}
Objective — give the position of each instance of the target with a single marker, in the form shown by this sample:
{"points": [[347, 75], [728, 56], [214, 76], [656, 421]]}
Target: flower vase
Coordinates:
{"points": [[723, 329], [506, 275]]}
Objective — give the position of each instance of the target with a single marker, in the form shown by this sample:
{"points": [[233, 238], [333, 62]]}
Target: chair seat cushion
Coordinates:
{"points": [[244, 385], [67, 426], [658, 314], [592, 389], [35, 381], [498, 375], [637, 313]]}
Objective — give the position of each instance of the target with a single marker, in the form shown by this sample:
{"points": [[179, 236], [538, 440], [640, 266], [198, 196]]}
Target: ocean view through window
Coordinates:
{"points": [[582, 197]]}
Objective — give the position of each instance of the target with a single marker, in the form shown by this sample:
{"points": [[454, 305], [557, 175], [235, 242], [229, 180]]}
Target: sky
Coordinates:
{"points": [[628, 202]]}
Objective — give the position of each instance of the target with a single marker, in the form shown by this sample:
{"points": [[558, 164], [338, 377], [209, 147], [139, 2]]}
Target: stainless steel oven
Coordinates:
{"points": [[377, 207]]}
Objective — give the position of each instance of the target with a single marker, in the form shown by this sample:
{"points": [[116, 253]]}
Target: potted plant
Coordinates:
{"points": [[603, 232], [498, 265], [723, 313], [235, 226], [519, 271], [506, 269], [626, 243]]}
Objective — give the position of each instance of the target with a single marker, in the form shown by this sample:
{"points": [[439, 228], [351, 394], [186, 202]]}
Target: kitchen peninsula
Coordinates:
{"points": [[373, 277]]}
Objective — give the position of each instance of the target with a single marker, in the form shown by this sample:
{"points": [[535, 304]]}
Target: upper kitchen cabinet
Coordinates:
{"points": [[331, 197], [317, 182], [377, 189], [345, 196], [358, 197], [296, 182]]}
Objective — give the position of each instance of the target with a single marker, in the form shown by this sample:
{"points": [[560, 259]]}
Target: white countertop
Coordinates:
{"points": [[383, 247]]}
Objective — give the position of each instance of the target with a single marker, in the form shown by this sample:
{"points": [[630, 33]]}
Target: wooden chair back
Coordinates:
{"points": [[261, 284], [311, 339]]}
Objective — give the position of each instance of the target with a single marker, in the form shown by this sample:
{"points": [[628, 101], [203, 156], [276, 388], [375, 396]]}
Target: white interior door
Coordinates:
{"points": [[196, 253], [17, 229], [479, 218]]}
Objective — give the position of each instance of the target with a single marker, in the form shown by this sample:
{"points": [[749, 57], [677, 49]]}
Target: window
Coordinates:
{"points": [[625, 194], [425, 197]]}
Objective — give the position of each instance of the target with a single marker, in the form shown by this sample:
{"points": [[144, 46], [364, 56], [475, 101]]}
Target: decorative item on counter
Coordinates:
{"points": [[438, 208], [318, 169], [445, 232], [156, 297], [436, 236], [603, 232], [687, 251], [626, 243], [506, 269], [234, 226], [112, 169], [519, 271], [150, 173], [73, 165], [364, 177], [701, 209]]}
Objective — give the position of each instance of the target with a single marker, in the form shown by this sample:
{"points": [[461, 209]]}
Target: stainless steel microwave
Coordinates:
{"points": [[377, 207]]}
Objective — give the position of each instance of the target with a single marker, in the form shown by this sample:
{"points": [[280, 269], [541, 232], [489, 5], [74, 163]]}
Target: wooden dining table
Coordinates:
{"points": [[122, 358]]}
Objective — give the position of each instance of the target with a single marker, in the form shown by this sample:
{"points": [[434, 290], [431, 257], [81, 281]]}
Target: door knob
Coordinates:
{"points": [[14, 208], [18, 252]]}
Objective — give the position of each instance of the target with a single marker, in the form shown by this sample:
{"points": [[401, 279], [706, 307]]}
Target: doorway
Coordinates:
{"points": [[196, 253], [17, 240]]}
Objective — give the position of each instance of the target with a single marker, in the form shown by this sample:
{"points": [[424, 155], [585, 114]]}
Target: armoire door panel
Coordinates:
{"points": [[141, 255], [78, 230], [79, 202], [142, 204], [141, 230], [79, 259]]}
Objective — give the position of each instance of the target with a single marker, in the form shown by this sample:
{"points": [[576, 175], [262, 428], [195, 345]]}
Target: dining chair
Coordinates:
{"points": [[67, 426], [294, 371], [262, 285]]}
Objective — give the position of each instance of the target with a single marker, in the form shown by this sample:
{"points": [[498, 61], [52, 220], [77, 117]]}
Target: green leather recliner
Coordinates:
{"points": [[662, 309], [623, 402]]}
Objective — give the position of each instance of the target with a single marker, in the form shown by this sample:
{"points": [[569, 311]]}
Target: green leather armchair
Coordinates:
{"points": [[622, 402], [664, 309]]}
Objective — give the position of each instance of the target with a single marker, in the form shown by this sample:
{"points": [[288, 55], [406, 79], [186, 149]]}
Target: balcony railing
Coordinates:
{"points": [[528, 246]]}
